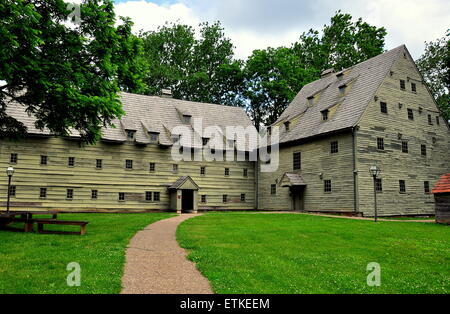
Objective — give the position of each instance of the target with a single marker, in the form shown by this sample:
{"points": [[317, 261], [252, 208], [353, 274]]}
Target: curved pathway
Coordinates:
{"points": [[156, 264]]}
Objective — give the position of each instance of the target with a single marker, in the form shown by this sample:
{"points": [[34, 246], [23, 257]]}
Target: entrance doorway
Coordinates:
{"points": [[187, 201], [297, 194]]}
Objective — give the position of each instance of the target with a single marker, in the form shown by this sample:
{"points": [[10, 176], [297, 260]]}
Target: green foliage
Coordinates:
{"points": [[245, 253], [36, 263], [434, 65], [275, 76], [194, 69], [67, 75]]}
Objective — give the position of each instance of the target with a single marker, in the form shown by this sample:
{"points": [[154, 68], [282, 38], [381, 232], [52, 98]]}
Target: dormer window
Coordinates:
{"points": [[287, 125], [154, 137], [187, 119], [311, 100], [325, 115], [176, 138], [340, 75], [131, 134], [342, 89]]}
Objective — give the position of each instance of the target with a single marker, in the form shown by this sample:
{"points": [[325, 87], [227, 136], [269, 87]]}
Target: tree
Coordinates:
{"points": [[434, 65], [275, 76], [194, 69], [67, 75]]}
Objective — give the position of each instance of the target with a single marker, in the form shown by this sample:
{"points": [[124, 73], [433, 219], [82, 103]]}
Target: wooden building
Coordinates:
{"points": [[442, 196], [379, 112], [131, 168]]}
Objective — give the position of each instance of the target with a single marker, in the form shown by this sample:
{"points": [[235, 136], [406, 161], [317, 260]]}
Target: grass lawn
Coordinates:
{"points": [[282, 253], [36, 263]]}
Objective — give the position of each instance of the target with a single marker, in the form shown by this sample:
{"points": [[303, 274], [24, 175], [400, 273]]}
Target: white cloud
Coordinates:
{"points": [[257, 24], [148, 16]]}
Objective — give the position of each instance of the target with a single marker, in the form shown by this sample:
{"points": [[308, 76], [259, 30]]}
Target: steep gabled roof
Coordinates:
{"points": [[443, 185], [154, 114], [364, 79]]}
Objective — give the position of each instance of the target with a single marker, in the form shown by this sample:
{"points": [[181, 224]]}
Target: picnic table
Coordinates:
{"points": [[26, 217]]}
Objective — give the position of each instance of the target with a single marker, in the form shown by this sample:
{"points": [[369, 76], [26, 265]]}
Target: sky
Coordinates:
{"points": [[258, 24]]}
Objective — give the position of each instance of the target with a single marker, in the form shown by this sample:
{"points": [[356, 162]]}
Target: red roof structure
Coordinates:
{"points": [[443, 185]]}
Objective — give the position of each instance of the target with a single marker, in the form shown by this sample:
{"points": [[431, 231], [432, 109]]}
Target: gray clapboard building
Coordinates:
{"points": [[379, 112]]}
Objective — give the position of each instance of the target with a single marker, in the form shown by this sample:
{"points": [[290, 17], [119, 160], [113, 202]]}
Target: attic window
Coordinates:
{"points": [[413, 87], [287, 124], [342, 89], [310, 100], [402, 85], [187, 119], [325, 115], [154, 137], [340, 75], [131, 134]]}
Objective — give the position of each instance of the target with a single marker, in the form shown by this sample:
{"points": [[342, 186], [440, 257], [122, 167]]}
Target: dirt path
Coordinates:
{"points": [[156, 264]]}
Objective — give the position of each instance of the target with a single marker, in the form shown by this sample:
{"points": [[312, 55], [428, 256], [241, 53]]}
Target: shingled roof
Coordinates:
{"points": [[363, 80], [443, 185], [154, 114]]}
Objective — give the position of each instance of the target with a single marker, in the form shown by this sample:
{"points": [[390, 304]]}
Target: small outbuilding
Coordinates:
{"points": [[442, 199]]}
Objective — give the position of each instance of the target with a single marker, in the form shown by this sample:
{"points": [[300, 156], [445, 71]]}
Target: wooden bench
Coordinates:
{"points": [[42, 222]]}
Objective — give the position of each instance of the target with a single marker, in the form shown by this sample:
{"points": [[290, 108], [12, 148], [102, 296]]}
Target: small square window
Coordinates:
{"points": [[187, 119], [148, 196], [245, 173], [334, 146], [94, 194], [426, 187], [131, 134], [405, 148], [71, 162], [154, 137], [121, 196], [423, 150], [152, 167], [242, 197], [383, 107], [203, 199], [402, 186], [156, 196], [380, 143], [99, 163], [12, 190], [379, 185], [273, 189], [287, 125], [413, 87], [202, 171], [327, 186], [410, 114], [402, 85], [297, 161], [325, 115], [227, 171], [129, 164], [13, 158], [69, 194], [43, 193], [175, 168], [225, 198], [44, 160], [430, 119]]}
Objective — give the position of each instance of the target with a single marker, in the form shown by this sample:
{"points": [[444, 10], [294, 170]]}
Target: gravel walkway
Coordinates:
{"points": [[156, 264]]}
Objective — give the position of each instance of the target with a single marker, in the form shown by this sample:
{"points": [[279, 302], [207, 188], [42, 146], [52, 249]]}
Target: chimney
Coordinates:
{"points": [[327, 73], [166, 93]]}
